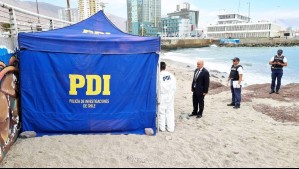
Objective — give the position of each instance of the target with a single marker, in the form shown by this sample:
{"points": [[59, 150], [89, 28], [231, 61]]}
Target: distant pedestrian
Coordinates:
{"points": [[166, 108], [200, 88], [277, 63], [235, 78]]}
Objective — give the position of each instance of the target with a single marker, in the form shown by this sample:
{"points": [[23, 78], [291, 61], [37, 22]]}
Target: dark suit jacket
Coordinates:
{"points": [[202, 82]]}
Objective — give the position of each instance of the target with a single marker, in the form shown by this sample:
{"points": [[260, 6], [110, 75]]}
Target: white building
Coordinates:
{"points": [[88, 8], [64, 15], [184, 28], [239, 26], [181, 23], [183, 6]]}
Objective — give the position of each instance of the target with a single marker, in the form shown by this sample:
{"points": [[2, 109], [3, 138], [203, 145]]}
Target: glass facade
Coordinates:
{"points": [[192, 15], [176, 27], [189, 22], [144, 17], [171, 26]]}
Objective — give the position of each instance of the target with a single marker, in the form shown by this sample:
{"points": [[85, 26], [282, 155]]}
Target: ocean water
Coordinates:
{"points": [[254, 60]]}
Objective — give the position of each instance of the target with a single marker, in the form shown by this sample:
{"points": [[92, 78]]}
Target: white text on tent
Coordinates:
{"points": [[95, 32]]}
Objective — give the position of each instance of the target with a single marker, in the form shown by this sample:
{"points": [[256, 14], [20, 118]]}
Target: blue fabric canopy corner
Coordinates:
{"points": [[88, 78]]}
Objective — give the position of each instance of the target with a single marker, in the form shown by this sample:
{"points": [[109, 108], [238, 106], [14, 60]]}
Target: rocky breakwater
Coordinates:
{"points": [[265, 42], [171, 44]]}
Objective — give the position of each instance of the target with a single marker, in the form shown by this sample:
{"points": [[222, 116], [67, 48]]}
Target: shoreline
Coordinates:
{"points": [[217, 60], [250, 93], [216, 76]]}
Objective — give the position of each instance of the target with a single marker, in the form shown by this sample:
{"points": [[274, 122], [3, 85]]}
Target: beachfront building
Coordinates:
{"points": [[175, 26], [64, 15], [183, 11], [88, 8], [239, 26], [144, 17]]}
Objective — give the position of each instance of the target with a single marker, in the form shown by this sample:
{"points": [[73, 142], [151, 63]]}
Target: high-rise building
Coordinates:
{"points": [[144, 17], [88, 8], [64, 15]]}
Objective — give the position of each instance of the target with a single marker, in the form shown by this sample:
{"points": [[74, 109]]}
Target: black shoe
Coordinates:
{"points": [[231, 104], [190, 115], [237, 107], [277, 92], [272, 92], [198, 116]]}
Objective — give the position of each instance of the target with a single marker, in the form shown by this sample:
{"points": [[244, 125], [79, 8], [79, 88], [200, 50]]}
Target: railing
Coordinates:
{"points": [[14, 20]]}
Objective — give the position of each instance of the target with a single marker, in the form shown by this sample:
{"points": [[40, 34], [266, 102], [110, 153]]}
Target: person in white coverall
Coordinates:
{"points": [[167, 91]]}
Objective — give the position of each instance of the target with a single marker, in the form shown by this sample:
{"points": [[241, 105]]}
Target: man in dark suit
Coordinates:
{"points": [[200, 88]]}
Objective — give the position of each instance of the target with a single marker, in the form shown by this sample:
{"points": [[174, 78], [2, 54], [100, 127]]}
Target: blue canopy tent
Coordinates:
{"points": [[88, 78]]}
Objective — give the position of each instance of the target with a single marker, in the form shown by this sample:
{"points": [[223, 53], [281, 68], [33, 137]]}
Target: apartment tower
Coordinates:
{"points": [[144, 17], [88, 8]]}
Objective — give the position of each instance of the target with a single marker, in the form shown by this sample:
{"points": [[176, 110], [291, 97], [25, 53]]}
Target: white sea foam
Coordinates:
{"points": [[254, 60]]}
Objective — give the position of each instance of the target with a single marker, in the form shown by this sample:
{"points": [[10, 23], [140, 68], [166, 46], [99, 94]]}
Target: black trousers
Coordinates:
{"points": [[198, 103]]}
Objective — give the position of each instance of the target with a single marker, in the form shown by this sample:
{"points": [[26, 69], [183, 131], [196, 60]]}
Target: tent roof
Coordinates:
{"points": [[95, 35]]}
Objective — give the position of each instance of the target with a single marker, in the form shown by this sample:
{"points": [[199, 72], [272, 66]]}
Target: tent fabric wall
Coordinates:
{"points": [[48, 107], [85, 82]]}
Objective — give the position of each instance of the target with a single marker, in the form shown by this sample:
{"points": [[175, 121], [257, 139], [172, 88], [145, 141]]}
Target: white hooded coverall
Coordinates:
{"points": [[166, 108]]}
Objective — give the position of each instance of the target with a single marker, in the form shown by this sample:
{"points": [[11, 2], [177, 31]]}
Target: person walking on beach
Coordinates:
{"points": [[235, 78], [277, 63], [167, 91], [200, 87]]}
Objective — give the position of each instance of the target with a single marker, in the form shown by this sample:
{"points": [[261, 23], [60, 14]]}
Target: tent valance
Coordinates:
{"points": [[84, 36]]}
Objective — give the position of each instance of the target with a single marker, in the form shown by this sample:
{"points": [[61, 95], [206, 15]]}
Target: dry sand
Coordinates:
{"points": [[224, 137]]}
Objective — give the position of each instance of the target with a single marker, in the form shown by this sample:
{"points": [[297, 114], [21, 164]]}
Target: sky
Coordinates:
{"points": [[267, 10]]}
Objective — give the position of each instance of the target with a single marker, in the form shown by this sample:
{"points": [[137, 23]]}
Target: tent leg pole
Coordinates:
{"points": [[158, 94]]}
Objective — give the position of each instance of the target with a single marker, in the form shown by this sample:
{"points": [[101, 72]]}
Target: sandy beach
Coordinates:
{"points": [[263, 133]]}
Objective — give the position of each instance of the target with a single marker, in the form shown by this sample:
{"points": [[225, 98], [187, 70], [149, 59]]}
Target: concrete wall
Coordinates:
{"points": [[170, 44], [9, 95], [265, 42]]}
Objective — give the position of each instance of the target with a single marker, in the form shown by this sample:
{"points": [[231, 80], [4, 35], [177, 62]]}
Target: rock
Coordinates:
{"points": [[214, 76], [215, 85], [149, 131], [28, 134]]}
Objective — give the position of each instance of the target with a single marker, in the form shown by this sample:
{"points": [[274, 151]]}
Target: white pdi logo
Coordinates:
{"points": [[86, 31]]}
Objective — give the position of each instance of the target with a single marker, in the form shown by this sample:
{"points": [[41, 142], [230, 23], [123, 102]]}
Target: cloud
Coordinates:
{"points": [[169, 7]]}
